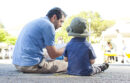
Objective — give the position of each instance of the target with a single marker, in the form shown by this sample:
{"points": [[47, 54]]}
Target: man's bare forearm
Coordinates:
{"points": [[53, 52]]}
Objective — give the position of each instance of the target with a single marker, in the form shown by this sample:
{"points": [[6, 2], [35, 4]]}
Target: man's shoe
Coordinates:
{"points": [[104, 66]]}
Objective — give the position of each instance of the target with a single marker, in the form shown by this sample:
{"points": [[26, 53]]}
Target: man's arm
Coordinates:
{"points": [[92, 61], [53, 52]]}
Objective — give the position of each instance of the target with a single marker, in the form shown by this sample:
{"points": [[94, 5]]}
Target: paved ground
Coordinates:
{"points": [[117, 73]]}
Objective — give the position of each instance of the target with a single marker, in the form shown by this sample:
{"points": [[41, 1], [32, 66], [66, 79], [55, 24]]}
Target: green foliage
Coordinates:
{"points": [[100, 26], [97, 25], [11, 40], [3, 35]]}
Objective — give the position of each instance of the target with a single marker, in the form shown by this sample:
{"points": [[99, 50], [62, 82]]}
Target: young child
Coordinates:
{"points": [[79, 53]]}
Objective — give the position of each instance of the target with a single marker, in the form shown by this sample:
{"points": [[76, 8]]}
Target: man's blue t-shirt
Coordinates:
{"points": [[79, 53], [35, 36]]}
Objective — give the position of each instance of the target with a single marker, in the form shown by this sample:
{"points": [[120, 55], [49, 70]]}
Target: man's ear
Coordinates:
{"points": [[53, 18]]}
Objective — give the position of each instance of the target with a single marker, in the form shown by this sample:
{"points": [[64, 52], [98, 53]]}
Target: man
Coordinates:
{"points": [[36, 35]]}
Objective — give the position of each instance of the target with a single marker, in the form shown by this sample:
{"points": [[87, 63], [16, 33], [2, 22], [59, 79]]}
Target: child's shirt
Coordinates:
{"points": [[79, 53]]}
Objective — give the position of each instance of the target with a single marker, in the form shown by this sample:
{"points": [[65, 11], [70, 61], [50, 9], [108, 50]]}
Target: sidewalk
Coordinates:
{"points": [[117, 73]]}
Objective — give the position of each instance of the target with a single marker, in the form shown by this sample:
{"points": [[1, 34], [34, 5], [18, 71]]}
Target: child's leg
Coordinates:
{"points": [[99, 69], [96, 69]]}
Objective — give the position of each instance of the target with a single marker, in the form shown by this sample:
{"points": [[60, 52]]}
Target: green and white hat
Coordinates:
{"points": [[77, 28]]}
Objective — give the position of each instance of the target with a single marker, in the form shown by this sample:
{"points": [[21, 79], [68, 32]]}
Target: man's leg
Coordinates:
{"points": [[28, 69], [45, 67], [49, 65], [53, 66]]}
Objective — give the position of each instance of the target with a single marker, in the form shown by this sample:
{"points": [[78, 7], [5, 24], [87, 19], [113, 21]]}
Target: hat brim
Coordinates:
{"points": [[85, 34]]}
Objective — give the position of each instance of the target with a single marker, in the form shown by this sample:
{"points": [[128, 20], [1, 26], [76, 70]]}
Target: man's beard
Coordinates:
{"points": [[56, 27]]}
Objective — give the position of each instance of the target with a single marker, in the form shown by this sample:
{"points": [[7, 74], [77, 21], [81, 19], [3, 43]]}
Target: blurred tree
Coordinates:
{"points": [[10, 40], [97, 24], [3, 35]]}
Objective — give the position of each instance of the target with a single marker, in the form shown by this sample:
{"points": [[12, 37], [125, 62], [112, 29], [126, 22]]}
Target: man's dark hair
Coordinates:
{"points": [[56, 11]]}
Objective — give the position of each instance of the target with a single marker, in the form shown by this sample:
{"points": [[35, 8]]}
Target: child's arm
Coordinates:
{"points": [[92, 61], [66, 59]]}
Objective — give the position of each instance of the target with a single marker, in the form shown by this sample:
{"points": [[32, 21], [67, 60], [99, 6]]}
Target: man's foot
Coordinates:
{"points": [[104, 66]]}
